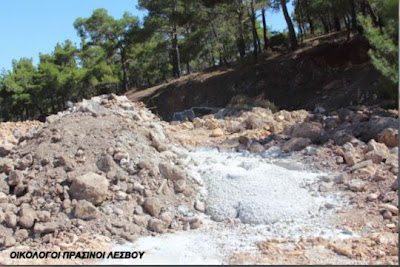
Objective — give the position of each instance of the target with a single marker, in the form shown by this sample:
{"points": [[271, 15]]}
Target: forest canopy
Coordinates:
{"points": [[178, 37]]}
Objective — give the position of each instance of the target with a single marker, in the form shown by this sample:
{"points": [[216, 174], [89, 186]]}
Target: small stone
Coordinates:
{"points": [[122, 155], [141, 220], [20, 189], [120, 195], [387, 215], [373, 196], [339, 160], [197, 122], [11, 220], [6, 165], [66, 204], [393, 209], [27, 218], [138, 210], [9, 241], [217, 133], [295, 144], [21, 235], [5, 149], [85, 210], [256, 147], [374, 146], [152, 206], [391, 225], [66, 162], [195, 224], [310, 151], [350, 158], [167, 217], [3, 198], [106, 163], [15, 178], [157, 226], [375, 156], [24, 163], [389, 137], [180, 185], [200, 206], [395, 185], [43, 216], [356, 185], [244, 140], [144, 164], [52, 118], [329, 206], [45, 228], [171, 172]]}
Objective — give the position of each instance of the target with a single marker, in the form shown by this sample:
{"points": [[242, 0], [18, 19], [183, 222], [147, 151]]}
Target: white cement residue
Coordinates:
{"points": [[262, 200]]}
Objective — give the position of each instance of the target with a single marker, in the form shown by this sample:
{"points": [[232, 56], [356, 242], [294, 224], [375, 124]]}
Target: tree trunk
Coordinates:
{"points": [[310, 21], [372, 14], [240, 40], [176, 62], [292, 33], [348, 26], [124, 72], [324, 24], [188, 67], [353, 15], [254, 31], [336, 22], [221, 47], [264, 29]]}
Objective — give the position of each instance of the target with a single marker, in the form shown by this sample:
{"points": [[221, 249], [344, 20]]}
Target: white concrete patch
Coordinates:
{"points": [[253, 190], [255, 198]]}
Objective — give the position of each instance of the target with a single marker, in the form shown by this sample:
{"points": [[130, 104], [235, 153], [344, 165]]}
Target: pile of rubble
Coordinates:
{"points": [[104, 167], [358, 143]]}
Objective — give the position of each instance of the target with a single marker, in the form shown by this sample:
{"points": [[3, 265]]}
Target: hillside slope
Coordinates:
{"points": [[328, 74]]}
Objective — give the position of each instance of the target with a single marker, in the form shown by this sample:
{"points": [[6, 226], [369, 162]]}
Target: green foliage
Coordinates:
{"points": [[279, 40], [384, 42], [182, 36]]}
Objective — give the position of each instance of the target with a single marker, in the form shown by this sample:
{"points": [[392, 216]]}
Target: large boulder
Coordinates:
{"points": [[91, 187], [389, 137], [373, 128], [92, 107], [295, 144], [308, 130], [341, 137]]}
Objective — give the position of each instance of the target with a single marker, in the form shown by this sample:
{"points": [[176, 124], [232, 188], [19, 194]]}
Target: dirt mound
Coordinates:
{"points": [[104, 167], [331, 75]]}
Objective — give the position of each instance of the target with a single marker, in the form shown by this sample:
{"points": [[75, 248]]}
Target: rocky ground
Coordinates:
{"points": [[104, 167], [359, 144], [109, 169]]}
